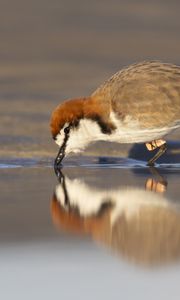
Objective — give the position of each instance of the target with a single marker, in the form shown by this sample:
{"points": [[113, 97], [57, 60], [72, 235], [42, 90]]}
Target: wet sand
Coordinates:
{"points": [[110, 226]]}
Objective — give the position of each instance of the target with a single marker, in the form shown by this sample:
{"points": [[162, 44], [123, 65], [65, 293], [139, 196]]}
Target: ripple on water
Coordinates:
{"points": [[87, 162], [115, 162], [26, 163]]}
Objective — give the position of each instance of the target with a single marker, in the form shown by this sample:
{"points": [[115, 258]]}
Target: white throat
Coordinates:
{"points": [[80, 137]]}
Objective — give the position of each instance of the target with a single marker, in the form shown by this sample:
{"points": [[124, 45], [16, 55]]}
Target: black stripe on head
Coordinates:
{"points": [[75, 123], [106, 128]]}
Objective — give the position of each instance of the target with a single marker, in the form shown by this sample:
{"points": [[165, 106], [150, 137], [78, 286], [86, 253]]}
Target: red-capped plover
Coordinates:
{"points": [[138, 104]]}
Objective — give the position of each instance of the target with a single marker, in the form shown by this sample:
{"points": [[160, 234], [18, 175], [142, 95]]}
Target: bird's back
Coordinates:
{"points": [[147, 91]]}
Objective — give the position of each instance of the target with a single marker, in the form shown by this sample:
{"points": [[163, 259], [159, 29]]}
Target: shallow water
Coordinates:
{"points": [[108, 228], [98, 230]]}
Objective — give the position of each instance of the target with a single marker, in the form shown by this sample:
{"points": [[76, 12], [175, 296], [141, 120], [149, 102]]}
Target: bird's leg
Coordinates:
{"points": [[161, 144]]}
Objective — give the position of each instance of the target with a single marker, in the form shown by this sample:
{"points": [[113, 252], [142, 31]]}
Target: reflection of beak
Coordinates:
{"points": [[58, 172], [59, 157]]}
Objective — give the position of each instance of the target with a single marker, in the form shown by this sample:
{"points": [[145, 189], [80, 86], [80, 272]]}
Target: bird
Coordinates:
{"points": [[138, 104]]}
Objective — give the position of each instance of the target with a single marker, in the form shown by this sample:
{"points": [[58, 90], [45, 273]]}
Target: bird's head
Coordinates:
{"points": [[64, 126], [77, 122]]}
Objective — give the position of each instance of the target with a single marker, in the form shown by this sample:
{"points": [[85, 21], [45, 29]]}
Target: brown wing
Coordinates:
{"points": [[149, 91]]}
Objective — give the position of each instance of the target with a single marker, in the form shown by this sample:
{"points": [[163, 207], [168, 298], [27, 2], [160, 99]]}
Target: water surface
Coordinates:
{"points": [[99, 230]]}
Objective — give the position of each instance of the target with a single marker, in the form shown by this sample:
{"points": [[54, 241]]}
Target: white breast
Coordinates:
{"points": [[129, 131]]}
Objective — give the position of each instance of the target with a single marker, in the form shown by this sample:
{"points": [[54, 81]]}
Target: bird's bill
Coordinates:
{"points": [[59, 157]]}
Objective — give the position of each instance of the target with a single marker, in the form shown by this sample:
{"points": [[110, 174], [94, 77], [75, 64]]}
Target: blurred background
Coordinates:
{"points": [[52, 50], [58, 49]]}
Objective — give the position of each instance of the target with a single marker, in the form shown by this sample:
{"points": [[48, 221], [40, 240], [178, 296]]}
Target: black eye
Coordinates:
{"points": [[66, 130]]}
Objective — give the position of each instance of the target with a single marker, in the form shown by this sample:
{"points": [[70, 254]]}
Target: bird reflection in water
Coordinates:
{"points": [[142, 225]]}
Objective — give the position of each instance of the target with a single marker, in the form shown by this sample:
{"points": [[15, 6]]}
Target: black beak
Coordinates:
{"points": [[61, 153], [58, 172], [57, 163], [59, 157]]}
